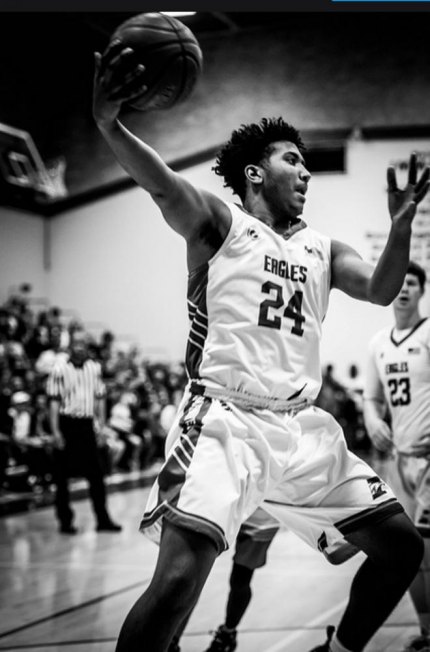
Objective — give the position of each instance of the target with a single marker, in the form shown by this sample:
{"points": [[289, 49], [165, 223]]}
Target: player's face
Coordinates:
{"points": [[285, 179], [409, 295]]}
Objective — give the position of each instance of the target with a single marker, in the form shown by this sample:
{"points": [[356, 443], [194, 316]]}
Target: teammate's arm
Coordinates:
{"points": [[382, 283], [185, 208], [374, 409]]}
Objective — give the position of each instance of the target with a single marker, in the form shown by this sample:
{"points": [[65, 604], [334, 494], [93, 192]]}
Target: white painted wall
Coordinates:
{"points": [[119, 265], [21, 253]]}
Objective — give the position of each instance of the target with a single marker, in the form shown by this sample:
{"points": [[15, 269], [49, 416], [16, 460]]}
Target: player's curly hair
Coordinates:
{"points": [[249, 145]]}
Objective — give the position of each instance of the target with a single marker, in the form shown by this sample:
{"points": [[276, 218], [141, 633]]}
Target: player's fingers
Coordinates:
{"points": [[391, 179], [412, 173], [120, 66], [114, 58], [422, 192], [130, 84], [425, 176], [129, 92], [112, 50]]}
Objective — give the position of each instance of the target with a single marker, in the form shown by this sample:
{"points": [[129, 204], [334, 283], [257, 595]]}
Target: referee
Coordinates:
{"points": [[77, 398]]}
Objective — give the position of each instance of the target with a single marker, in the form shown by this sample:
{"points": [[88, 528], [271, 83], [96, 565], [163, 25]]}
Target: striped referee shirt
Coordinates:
{"points": [[77, 388]]}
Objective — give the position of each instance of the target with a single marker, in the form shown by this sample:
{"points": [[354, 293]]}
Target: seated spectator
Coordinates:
{"points": [[39, 338], [55, 324], [31, 436], [47, 359], [111, 447], [121, 421], [5, 425], [17, 357]]}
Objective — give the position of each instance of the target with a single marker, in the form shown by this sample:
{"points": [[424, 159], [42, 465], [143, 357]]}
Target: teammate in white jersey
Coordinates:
{"points": [[246, 434], [398, 380]]}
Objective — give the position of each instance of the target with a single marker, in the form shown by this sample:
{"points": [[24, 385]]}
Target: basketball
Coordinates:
{"points": [[170, 53]]}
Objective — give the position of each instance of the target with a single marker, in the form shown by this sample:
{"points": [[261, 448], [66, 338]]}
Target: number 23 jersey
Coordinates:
{"points": [[256, 310], [401, 369]]}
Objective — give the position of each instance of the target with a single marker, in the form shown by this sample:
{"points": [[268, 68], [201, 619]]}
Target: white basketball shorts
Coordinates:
{"points": [[410, 479], [223, 461]]}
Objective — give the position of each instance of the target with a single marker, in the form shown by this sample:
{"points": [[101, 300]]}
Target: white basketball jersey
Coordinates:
{"points": [[256, 311], [402, 367]]}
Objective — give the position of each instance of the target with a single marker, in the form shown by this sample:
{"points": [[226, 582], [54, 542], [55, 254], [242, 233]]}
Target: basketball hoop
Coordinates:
{"points": [[22, 166]]}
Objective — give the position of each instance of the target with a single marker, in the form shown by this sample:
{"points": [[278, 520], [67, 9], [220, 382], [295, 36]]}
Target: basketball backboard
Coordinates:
{"points": [[22, 166]]}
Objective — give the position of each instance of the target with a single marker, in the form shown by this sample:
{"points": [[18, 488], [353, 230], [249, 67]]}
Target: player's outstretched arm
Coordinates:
{"points": [[117, 80], [382, 283]]}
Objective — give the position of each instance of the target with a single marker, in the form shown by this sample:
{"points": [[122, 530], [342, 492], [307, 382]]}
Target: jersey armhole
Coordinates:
{"points": [[235, 218]]}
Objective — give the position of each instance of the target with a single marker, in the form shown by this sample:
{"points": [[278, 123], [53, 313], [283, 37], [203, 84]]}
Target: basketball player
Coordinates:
{"points": [[246, 433], [398, 379], [252, 543]]}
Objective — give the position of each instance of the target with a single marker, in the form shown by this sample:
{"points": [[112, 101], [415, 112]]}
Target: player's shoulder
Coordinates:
{"points": [[309, 232], [423, 330], [381, 337], [425, 324], [315, 243]]}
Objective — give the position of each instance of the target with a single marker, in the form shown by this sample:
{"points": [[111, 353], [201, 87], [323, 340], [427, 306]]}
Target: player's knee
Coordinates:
{"points": [[179, 586]]}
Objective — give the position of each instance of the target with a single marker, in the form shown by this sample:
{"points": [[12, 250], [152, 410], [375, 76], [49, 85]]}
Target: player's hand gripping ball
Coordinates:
{"points": [[170, 53]]}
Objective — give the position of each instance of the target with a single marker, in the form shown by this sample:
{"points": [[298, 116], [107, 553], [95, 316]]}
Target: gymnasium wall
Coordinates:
{"points": [[22, 253], [119, 264]]}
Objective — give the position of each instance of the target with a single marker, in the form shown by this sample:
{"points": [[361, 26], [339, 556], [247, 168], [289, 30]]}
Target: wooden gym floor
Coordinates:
{"points": [[70, 594]]}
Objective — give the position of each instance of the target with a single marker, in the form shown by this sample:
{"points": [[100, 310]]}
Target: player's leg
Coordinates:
{"points": [[252, 543], [394, 550], [351, 500], [407, 477], [420, 592], [184, 561], [239, 596]]}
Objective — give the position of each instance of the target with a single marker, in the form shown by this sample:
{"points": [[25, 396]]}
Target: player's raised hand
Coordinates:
{"points": [[402, 203], [117, 79]]}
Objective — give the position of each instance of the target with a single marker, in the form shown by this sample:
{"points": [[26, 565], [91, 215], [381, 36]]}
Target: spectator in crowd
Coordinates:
{"points": [[38, 340], [77, 394], [55, 323], [56, 351], [25, 365], [354, 384], [122, 421], [32, 439]]}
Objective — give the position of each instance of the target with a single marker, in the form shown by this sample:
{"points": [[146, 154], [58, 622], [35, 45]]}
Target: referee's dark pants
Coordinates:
{"points": [[79, 458]]}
